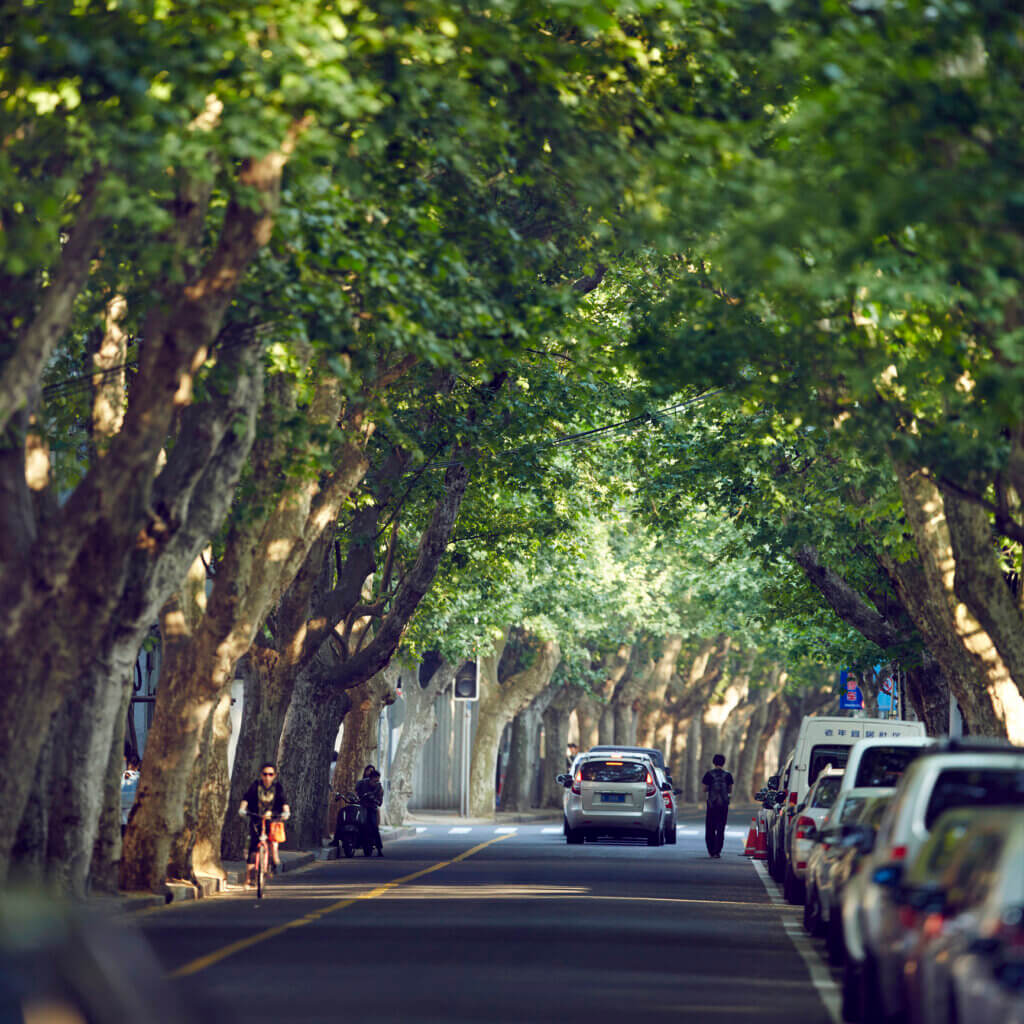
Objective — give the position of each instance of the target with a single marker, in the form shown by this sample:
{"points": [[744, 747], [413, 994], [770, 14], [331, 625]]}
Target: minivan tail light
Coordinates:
{"points": [[792, 799], [650, 785], [576, 782], [803, 823], [898, 853]]}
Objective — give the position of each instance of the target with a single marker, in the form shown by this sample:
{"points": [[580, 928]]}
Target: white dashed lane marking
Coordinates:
{"points": [[458, 831]]}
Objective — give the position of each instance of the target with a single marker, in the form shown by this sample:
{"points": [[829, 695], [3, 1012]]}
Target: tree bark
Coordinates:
{"points": [[106, 855], [556, 741], [928, 693], [499, 700], [418, 727], [360, 742], [311, 726], [657, 686], [978, 676], [522, 776]]}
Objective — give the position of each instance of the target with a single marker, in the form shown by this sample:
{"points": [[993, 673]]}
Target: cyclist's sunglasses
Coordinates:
{"points": [[271, 774]]}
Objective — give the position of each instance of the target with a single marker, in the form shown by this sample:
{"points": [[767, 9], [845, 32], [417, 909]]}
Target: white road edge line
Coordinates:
{"points": [[821, 978], [551, 831]]}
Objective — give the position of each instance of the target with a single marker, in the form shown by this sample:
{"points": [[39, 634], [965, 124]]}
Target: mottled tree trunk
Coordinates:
{"points": [[360, 740], [928, 694], [653, 700], [499, 701], [524, 759], [196, 850], [691, 783], [28, 854], [978, 674], [588, 717], [556, 740], [90, 718], [106, 854], [310, 728], [418, 727]]}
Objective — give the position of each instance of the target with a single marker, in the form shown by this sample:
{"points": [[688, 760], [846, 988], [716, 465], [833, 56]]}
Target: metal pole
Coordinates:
{"points": [[464, 761]]}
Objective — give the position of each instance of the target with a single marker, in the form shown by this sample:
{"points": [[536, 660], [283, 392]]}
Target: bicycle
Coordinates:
{"points": [[263, 852]]}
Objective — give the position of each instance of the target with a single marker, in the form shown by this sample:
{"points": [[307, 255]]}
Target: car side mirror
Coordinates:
{"points": [[800, 807], [888, 875], [562, 779], [773, 782], [666, 787]]}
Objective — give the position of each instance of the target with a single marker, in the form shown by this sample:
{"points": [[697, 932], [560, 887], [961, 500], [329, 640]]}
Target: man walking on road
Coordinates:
{"points": [[718, 786]]}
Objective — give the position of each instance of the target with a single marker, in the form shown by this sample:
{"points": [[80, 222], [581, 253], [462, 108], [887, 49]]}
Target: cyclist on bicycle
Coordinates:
{"points": [[267, 800]]}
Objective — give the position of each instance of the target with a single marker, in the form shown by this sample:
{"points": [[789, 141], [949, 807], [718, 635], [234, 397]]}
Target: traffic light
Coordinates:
{"points": [[467, 682]]}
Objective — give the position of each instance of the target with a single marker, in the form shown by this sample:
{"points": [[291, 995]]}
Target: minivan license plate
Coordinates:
{"points": [[613, 798]]}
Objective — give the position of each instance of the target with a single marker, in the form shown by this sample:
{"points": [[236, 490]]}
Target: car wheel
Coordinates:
{"points": [[812, 910], [565, 825], [574, 836], [792, 887], [655, 838], [835, 945], [778, 871], [870, 1000], [670, 836], [850, 992]]}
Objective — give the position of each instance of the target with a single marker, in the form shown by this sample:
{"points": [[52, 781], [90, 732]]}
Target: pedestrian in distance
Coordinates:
{"points": [[718, 785], [263, 799], [570, 755], [371, 796]]}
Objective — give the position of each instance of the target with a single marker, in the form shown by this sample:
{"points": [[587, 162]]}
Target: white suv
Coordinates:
{"points": [[614, 794]]}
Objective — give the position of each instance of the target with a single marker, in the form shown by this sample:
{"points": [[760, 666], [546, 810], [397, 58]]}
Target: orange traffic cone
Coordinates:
{"points": [[762, 845], [750, 846]]}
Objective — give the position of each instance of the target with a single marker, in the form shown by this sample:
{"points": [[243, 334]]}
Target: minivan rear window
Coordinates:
{"points": [[613, 771], [825, 793], [974, 787], [884, 766], [822, 756]]}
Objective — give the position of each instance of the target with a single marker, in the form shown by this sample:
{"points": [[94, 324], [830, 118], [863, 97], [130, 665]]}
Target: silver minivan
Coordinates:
{"points": [[614, 794]]}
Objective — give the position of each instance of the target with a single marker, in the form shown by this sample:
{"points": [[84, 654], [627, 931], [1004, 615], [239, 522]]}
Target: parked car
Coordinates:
{"points": [[821, 742], [614, 795], [778, 820], [669, 795], [880, 762], [971, 966], [818, 901], [956, 774], [856, 843], [809, 815], [923, 901]]}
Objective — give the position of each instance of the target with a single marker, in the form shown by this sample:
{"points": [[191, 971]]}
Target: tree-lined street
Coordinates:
{"points": [[524, 928]]}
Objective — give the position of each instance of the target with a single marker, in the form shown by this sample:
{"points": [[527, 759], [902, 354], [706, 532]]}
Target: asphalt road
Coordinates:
{"points": [[485, 924]]}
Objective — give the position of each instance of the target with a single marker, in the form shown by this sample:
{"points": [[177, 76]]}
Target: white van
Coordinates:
{"points": [[824, 741]]}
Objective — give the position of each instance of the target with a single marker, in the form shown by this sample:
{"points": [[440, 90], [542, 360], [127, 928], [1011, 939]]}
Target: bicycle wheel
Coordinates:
{"points": [[261, 871]]}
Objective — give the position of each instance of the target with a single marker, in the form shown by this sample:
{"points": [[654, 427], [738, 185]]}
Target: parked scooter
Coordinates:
{"points": [[351, 828]]}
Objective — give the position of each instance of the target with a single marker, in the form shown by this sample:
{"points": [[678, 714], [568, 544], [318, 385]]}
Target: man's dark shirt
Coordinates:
{"points": [[707, 780]]}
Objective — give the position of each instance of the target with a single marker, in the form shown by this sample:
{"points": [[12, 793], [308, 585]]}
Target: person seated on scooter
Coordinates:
{"points": [[371, 796], [267, 800]]}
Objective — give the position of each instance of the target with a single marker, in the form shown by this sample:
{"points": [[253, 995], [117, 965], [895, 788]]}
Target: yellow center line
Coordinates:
{"points": [[195, 966]]}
